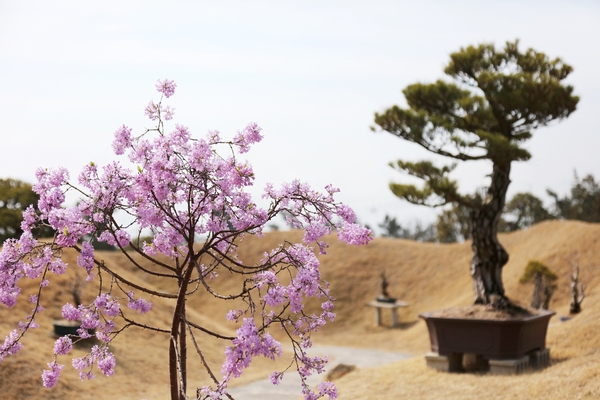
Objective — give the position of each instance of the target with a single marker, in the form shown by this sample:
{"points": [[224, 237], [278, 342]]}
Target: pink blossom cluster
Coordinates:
{"points": [[63, 345], [154, 111], [180, 189], [101, 357], [248, 344], [166, 87], [276, 298], [11, 344], [50, 376], [315, 213], [97, 317], [248, 136], [140, 305]]}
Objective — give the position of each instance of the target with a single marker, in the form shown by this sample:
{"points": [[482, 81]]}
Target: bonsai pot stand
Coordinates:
{"points": [[392, 306], [502, 346]]}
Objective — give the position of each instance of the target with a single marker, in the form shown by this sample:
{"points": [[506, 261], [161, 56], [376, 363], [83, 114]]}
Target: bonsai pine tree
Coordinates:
{"points": [[497, 98], [543, 280]]}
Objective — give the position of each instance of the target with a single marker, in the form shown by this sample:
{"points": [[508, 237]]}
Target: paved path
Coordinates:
{"points": [[290, 388]]}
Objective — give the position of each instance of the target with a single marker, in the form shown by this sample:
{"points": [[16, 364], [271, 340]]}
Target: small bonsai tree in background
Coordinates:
{"points": [[543, 280], [577, 290], [499, 98], [180, 189]]}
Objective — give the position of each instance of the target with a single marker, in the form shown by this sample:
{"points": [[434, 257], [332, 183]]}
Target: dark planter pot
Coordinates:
{"points": [[492, 339], [64, 327]]}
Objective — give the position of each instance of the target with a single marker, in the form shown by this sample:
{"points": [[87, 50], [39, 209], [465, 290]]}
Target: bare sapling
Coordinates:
{"points": [[577, 290]]}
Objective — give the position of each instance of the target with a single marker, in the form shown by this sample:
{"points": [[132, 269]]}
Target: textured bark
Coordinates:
{"points": [[488, 254], [538, 289], [549, 289]]}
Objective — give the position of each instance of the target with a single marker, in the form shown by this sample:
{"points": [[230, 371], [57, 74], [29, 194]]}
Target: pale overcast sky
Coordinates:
{"points": [[310, 73]]}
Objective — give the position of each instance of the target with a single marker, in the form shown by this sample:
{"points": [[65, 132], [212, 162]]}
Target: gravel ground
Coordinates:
{"points": [[290, 388]]}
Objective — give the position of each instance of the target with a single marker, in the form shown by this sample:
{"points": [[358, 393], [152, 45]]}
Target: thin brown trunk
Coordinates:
{"points": [[173, 362], [183, 352], [173, 365], [488, 254], [177, 347]]}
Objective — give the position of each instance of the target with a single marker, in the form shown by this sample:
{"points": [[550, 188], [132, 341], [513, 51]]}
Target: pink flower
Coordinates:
{"points": [[167, 113], [122, 140], [275, 296], [83, 363], [247, 137], [276, 377], [355, 234], [50, 377], [328, 389], [11, 344], [166, 87], [123, 238], [86, 257], [63, 345], [104, 359], [140, 305], [29, 219], [70, 313], [246, 345], [107, 305], [152, 111], [265, 278], [233, 315]]}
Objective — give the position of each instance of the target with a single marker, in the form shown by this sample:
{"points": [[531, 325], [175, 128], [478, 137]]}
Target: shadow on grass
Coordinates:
{"points": [[556, 361], [405, 325]]}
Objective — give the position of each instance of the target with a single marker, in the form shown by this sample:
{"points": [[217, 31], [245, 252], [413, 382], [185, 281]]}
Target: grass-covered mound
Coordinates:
{"points": [[428, 276]]}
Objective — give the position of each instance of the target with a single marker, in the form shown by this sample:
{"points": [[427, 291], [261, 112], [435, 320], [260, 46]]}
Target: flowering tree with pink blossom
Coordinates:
{"points": [[194, 202]]}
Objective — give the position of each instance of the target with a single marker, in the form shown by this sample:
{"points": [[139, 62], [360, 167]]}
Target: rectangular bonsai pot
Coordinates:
{"points": [[493, 339]]}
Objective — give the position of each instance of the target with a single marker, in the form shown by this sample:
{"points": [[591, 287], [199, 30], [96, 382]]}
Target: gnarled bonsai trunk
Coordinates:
{"points": [[488, 254]]}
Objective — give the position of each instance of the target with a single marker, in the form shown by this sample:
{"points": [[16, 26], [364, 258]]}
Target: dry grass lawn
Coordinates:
{"points": [[429, 276]]}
